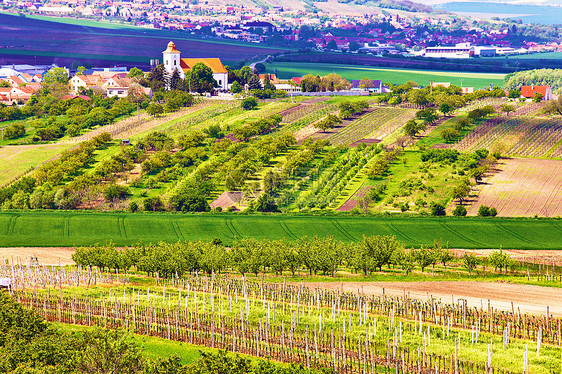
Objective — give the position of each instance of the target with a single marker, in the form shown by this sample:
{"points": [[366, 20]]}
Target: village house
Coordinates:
{"points": [[529, 92]]}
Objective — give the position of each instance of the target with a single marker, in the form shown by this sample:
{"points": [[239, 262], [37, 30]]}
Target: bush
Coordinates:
{"points": [[249, 103], [437, 209], [483, 211], [459, 211]]}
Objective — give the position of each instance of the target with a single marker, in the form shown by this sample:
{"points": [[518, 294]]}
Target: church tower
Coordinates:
{"points": [[171, 60]]}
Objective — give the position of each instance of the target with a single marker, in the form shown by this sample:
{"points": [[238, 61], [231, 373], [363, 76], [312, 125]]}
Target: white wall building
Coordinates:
{"points": [[172, 61]]}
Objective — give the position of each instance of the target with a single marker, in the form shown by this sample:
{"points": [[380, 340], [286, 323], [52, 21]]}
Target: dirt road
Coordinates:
{"points": [[528, 298]]}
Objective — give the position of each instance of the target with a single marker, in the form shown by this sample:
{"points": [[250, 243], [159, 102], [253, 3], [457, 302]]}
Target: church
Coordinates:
{"points": [[173, 61]]}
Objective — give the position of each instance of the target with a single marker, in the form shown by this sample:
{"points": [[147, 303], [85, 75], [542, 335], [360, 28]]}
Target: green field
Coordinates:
{"points": [[395, 76], [19, 159], [76, 229]]}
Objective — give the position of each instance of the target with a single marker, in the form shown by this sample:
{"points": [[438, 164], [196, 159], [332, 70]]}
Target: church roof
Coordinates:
{"points": [[171, 48], [214, 63]]}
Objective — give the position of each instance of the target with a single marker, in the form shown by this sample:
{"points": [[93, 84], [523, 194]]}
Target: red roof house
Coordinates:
{"points": [[530, 91]]}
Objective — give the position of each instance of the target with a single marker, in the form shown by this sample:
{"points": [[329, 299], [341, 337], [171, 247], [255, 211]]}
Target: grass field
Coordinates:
{"points": [[18, 159], [394, 76], [75, 229]]}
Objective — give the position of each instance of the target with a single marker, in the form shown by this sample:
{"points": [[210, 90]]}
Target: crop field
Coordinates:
{"points": [[19, 159], [288, 70], [524, 187], [68, 44], [344, 330], [58, 229], [517, 136]]}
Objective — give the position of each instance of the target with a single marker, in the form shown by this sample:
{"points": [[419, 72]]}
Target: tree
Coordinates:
{"points": [[200, 78], [267, 85], [260, 67], [254, 83], [483, 211], [507, 108], [428, 115], [366, 83], [554, 106], [332, 46], [459, 211], [265, 203], [470, 261], [379, 167], [514, 94], [450, 134], [479, 172], [424, 257], [329, 122], [235, 87], [175, 79], [56, 75], [445, 108], [461, 191], [537, 98], [80, 70], [154, 109], [413, 128], [135, 72], [249, 103], [437, 209]]}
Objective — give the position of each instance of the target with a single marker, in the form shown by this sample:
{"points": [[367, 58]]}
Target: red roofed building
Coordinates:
{"points": [[530, 91]]}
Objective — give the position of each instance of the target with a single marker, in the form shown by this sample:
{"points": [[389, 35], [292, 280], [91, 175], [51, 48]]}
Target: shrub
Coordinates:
{"points": [[249, 103], [483, 211], [437, 209], [459, 211]]}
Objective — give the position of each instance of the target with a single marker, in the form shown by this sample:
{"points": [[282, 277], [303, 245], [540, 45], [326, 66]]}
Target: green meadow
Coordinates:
{"points": [[51, 228], [395, 76]]}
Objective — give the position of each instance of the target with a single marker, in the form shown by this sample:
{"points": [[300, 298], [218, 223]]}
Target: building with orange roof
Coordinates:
{"points": [[172, 61], [530, 91]]}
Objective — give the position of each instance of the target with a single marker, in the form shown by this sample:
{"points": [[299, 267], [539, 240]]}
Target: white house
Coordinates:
{"points": [[172, 61]]}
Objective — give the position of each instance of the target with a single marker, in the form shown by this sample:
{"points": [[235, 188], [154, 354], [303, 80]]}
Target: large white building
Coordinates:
{"points": [[461, 50], [172, 61]]}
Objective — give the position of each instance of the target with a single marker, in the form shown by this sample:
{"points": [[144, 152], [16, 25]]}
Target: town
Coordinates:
{"points": [[414, 31]]}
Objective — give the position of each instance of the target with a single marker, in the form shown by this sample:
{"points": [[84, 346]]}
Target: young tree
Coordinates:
{"points": [[424, 257], [470, 261], [235, 87]]}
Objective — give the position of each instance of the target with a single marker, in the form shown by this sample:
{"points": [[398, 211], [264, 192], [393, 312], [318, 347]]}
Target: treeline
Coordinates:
{"points": [[536, 77], [251, 256], [28, 344], [444, 98]]}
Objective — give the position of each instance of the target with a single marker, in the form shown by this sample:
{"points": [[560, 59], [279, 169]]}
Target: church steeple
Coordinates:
{"points": [[172, 59]]}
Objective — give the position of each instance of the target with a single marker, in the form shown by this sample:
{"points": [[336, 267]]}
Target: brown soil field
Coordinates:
{"points": [[526, 298], [523, 187], [47, 256]]}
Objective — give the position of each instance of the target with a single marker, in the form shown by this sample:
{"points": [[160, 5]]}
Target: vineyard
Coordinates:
{"points": [[348, 332], [516, 136], [306, 115], [377, 124]]}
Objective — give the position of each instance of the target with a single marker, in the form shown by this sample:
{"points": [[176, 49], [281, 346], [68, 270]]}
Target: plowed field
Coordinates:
{"points": [[524, 187]]}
